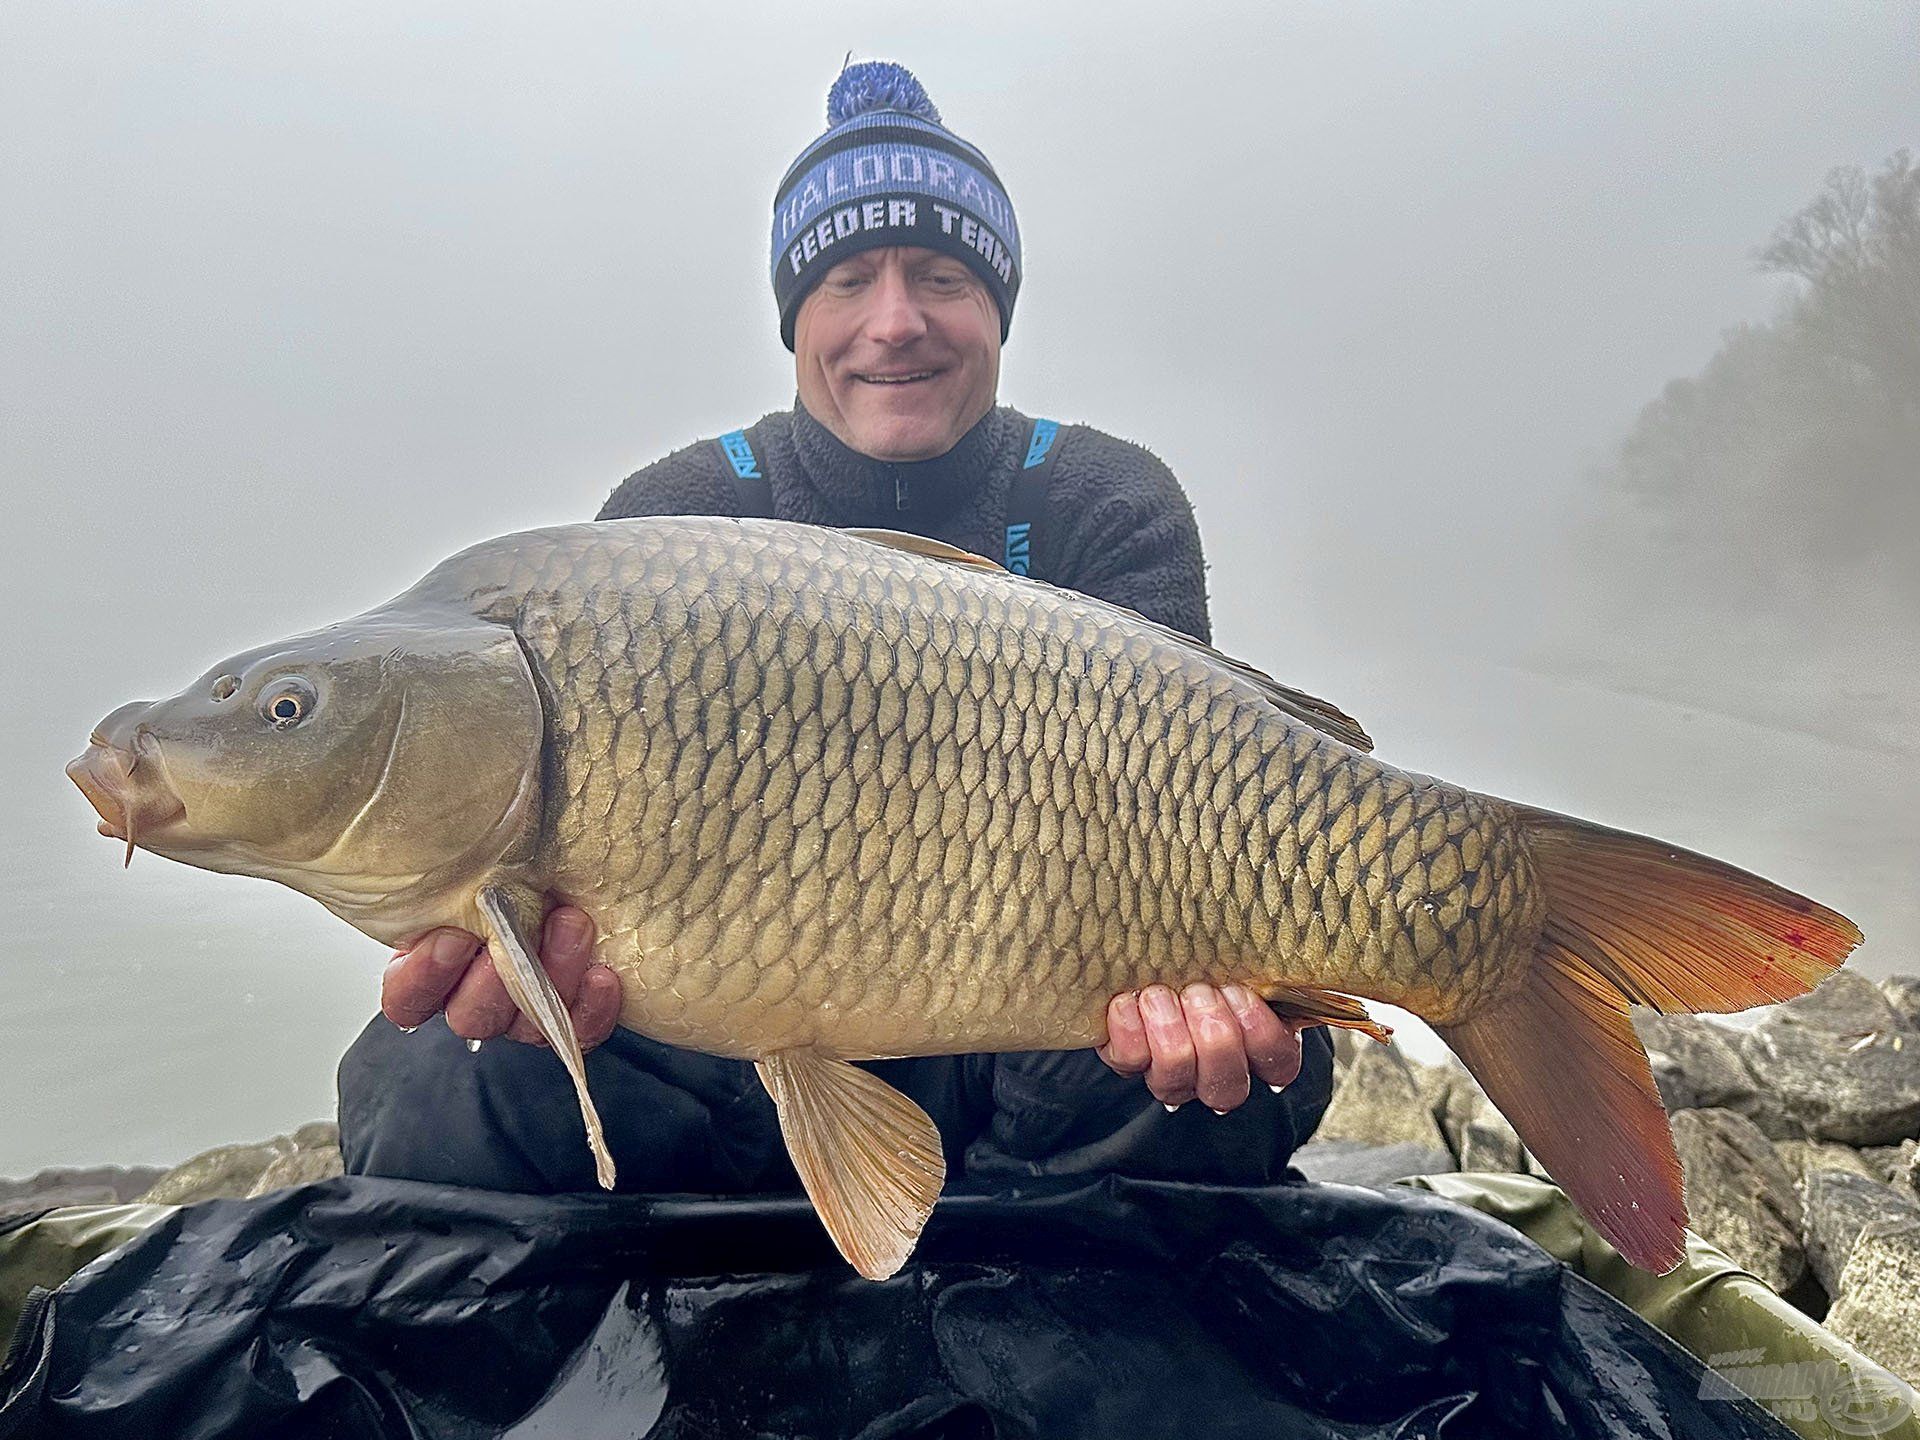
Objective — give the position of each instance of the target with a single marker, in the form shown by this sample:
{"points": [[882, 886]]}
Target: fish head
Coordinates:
{"points": [[372, 765]]}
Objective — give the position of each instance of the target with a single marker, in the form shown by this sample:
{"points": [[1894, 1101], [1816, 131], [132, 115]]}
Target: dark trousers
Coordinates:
{"points": [[420, 1106]]}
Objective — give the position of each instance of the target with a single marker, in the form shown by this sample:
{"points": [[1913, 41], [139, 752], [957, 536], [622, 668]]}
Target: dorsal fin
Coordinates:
{"points": [[929, 547], [1307, 709]]}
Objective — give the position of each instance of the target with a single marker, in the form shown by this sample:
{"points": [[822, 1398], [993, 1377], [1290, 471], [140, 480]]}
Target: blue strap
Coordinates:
{"points": [[749, 481], [1028, 500]]}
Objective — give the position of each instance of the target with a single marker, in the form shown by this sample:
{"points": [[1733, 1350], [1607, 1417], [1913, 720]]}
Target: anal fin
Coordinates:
{"points": [[870, 1158], [1322, 1007]]}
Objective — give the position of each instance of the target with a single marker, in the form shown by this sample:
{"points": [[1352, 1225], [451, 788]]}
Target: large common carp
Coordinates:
{"points": [[837, 795]]}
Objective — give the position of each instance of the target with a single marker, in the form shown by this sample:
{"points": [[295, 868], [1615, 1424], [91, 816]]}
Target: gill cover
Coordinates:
{"points": [[373, 764]]}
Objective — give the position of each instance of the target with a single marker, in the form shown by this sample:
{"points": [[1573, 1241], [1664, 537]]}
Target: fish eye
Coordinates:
{"points": [[224, 687], [285, 705]]}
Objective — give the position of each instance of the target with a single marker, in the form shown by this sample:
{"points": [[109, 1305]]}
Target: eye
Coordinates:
{"points": [[224, 687], [287, 703]]}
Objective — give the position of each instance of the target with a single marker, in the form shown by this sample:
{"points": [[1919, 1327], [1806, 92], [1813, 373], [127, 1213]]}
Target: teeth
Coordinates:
{"points": [[896, 379]]}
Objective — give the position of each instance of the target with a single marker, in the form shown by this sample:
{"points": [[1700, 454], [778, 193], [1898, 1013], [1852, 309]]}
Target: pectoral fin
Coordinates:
{"points": [[869, 1157], [530, 988]]}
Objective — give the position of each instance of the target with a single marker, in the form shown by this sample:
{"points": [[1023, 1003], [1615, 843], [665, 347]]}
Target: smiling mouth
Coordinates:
{"points": [[906, 379]]}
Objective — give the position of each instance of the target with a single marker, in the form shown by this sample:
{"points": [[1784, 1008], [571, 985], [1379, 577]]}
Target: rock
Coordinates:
{"points": [[1352, 1162], [1836, 1064], [1378, 1100], [1898, 1165], [1696, 1063], [1440, 1085], [1480, 1137], [1803, 1157], [237, 1171], [316, 1135], [1846, 1003], [1740, 1195], [1887, 1162], [1840, 1207], [1490, 1143], [1903, 993], [93, 1185], [225, 1170], [299, 1167], [1346, 1044], [1878, 1307]]}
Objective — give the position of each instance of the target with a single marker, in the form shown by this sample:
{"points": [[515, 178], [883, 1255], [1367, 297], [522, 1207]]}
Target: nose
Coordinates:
{"points": [[118, 730], [895, 319]]}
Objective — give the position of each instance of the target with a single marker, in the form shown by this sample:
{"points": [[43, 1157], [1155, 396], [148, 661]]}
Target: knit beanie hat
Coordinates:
{"points": [[887, 172]]}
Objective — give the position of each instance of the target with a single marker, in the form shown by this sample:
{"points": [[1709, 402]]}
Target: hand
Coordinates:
{"points": [[448, 970], [1203, 1043]]}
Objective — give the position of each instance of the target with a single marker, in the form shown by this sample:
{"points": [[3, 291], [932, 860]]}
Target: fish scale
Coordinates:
{"points": [[750, 727]]}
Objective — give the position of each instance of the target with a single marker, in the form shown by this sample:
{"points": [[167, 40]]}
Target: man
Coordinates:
{"points": [[896, 264]]}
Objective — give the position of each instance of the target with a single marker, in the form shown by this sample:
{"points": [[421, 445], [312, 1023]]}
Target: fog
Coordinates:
{"points": [[294, 301]]}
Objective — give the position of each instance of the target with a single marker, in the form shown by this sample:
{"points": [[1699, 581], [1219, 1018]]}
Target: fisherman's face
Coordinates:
{"points": [[897, 352]]}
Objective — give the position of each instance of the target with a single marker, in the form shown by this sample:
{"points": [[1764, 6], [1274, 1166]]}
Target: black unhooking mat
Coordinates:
{"points": [[1116, 1308]]}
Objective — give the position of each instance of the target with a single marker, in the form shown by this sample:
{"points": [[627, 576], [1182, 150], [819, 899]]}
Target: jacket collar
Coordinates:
{"points": [[874, 491]]}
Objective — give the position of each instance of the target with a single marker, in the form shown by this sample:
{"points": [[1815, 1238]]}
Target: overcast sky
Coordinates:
{"points": [[295, 300]]}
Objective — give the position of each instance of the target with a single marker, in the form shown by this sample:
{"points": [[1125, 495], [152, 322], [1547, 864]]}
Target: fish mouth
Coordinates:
{"points": [[116, 785]]}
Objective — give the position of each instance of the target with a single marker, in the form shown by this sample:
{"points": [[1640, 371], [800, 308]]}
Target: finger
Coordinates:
{"points": [[566, 950], [525, 1031], [594, 1006], [1272, 1044], [1126, 1048], [1220, 1062], [597, 1009], [566, 939], [1170, 1076], [416, 984], [480, 1007]]}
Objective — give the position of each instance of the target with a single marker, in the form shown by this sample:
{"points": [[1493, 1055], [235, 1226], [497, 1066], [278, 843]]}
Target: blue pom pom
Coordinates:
{"points": [[877, 85]]}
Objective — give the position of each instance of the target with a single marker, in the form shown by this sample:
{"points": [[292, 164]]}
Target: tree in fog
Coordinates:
{"points": [[1794, 456]]}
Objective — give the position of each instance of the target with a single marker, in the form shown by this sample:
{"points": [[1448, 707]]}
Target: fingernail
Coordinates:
{"points": [[1238, 996], [1217, 1112], [1202, 995], [450, 947], [408, 1029], [1276, 1089], [1160, 1004], [473, 1047], [570, 930], [1170, 1109]]}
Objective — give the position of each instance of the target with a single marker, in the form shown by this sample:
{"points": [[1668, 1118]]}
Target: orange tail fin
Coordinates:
{"points": [[1630, 920]]}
